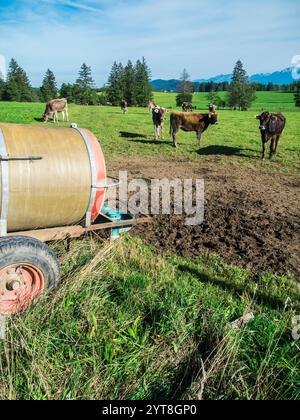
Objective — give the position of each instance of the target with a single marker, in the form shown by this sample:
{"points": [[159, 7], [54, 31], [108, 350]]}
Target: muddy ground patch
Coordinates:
{"points": [[251, 218]]}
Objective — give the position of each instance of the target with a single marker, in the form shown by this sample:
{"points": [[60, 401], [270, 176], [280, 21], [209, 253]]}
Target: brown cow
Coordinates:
{"points": [[55, 106], [271, 128], [191, 122], [187, 107], [124, 106], [158, 117]]}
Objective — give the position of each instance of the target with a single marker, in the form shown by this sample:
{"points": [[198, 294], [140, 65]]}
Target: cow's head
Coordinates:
{"points": [[213, 118], [160, 114], [46, 116], [264, 119]]}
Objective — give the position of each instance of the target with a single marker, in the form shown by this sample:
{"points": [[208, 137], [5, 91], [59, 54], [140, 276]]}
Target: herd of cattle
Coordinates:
{"points": [[271, 124]]}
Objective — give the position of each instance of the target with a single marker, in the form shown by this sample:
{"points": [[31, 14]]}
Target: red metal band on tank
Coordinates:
{"points": [[100, 174]]}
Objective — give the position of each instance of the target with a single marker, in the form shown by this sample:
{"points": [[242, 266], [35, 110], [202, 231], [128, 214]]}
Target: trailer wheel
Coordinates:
{"points": [[27, 269]]}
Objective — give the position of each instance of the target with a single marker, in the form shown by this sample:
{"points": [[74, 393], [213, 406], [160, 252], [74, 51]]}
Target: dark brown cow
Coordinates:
{"points": [[187, 107], [124, 106], [158, 117], [191, 122], [271, 128], [54, 107]]}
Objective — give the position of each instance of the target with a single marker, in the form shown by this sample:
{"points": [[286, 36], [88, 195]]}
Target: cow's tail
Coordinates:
{"points": [[171, 121]]}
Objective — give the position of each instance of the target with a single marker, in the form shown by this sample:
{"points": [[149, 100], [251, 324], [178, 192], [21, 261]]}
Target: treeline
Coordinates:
{"points": [[207, 87], [241, 93], [131, 83], [17, 87]]}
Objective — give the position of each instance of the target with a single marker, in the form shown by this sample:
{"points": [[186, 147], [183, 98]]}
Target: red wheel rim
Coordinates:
{"points": [[20, 285]]}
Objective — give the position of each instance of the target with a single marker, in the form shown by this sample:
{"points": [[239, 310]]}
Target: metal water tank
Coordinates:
{"points": [[49, 177]]}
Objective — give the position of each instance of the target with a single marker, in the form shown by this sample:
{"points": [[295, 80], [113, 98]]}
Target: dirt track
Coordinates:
{"points": [[251, 219]]}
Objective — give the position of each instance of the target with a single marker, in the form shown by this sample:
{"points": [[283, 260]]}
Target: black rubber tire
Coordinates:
{"points": [[23, 249]]}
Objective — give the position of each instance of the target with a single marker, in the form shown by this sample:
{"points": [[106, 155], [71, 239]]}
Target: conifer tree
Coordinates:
{"points": [[66, 91], [143, 88], [84, 89], [48, 90], [129, 83], [241, 93], [115, 89], [18, 87]]}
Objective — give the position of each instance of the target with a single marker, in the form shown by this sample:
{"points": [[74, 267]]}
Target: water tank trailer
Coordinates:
{"points": [[53, 183]]}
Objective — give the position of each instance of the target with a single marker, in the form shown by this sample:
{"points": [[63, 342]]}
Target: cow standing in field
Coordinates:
{"points": [[271, 128], [158, 117], [212, 108], [151, 106], [191, 122], [55, 106], [124, 106], [187, 107]]}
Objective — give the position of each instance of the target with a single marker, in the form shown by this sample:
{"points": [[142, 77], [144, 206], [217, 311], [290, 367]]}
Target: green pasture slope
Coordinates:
{"points": [[127, 323]]}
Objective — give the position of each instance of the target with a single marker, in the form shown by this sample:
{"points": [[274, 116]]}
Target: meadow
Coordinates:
{"points": [[132, 322], [236, 140]]}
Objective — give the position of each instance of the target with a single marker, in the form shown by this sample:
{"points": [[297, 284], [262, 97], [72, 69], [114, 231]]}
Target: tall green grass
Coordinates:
{"points": [[129, 324]]}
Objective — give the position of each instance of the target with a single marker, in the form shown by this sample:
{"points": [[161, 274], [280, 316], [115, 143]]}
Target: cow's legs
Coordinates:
{"points": [[63, 116], [272, 147], [67, 114], [55, 116], [199, 138], [276, 144], [174, 137], [264, 142]]}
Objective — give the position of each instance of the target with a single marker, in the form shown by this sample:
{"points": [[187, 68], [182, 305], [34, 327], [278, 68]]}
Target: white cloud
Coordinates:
{"points": [[203, 36]]}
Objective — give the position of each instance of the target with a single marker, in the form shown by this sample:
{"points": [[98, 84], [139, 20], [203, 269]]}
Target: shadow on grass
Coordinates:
{"points": [[156, 142], [39, 119], [261, 298], [126, 135], [225, 151], [187, 371]]}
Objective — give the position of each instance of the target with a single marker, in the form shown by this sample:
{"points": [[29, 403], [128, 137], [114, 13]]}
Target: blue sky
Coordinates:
{"points": [[206, 37]]}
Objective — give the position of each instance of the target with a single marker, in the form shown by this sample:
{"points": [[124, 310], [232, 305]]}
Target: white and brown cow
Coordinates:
{"points": [[124, 106], [55, 106], [151, 106], [158, 117]]}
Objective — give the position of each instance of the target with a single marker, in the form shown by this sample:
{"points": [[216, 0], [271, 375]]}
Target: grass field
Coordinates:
{"points": [[236, 140], [129, 323]]}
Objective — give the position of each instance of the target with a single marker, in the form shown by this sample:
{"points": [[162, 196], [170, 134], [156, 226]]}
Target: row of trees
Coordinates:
{"points": [[131, 83], [258, 87], [241, 93], [17, 88]]}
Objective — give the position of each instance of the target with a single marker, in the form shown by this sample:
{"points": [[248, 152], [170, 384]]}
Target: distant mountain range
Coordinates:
{"points": [[283, 77]]}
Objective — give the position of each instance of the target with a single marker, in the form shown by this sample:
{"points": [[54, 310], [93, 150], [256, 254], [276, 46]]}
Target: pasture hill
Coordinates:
{"points": [[150, 316]]}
